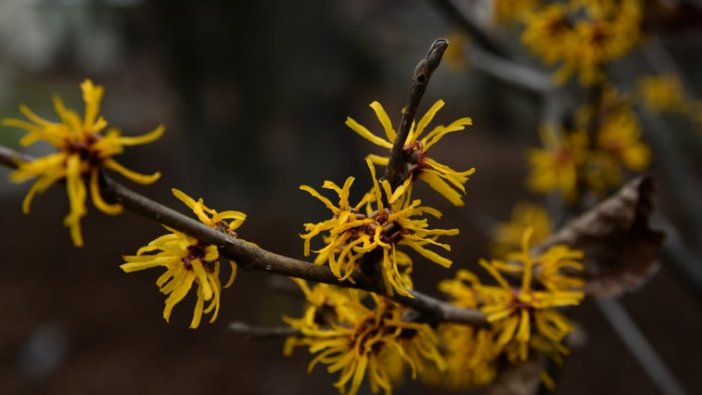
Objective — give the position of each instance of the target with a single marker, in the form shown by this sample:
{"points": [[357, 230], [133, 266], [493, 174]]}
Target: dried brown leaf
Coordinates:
{"points": [[620, 248], [520, 379]]}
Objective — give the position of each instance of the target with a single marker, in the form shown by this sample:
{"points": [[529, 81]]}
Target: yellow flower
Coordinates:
{"points": [[525, 317], [556, 269], [599, 42], [454, 55], [613, 32], [583, 44], [445, 180], [548, 33], [508, 235], [81, 153], [662, 93], [188, 260], [555, 167], [619, 135], [225, 221], [505, 11], [469, 352], [618, 142], [351, 235], [360, 339]]}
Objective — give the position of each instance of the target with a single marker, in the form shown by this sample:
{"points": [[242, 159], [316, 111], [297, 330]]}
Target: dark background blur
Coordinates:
{"points": [[254, 96]]}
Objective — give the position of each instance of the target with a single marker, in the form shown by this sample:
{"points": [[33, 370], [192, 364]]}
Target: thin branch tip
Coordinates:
{"points": [[396, 171], [436, 52]]}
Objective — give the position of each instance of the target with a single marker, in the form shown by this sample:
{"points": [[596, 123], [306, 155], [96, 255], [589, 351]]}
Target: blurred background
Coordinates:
{"points": [[254, 96]]}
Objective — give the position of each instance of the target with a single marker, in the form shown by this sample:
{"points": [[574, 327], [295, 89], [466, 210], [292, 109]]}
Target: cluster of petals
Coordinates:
{"points": [[446, 181], [360, 335], [379, 223], [189, 261], [593, 156], [81, 152], [582, 36], [524, 315]]}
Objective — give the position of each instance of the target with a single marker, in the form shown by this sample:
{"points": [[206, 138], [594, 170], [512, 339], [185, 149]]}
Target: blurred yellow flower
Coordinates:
{"points": [[662, 93], [81, 153], [598, 42], [618, 142], [556, 269], [445, 180], [362, 335], [549, 33], [350, 234], [469, 352], [583, 43], [505, 11], [454, 55], [188, 260], [554, 168], [620, 136], [508, 235]]}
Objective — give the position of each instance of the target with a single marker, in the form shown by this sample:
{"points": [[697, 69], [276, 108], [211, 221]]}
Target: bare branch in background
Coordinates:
{"points": [[251, 332], [511, 72], [680, 181], [640, 348], [10, 158], [679, 257], [479, 36]]}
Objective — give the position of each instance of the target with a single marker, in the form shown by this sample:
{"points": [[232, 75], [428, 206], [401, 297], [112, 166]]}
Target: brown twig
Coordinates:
{"points": [[397, 171], [250, 257], [450, 11], [511, 72], [11, 158], [251, 332]]}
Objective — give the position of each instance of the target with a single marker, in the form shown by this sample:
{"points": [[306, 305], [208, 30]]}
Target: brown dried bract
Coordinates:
{"points": [[620, 248], [520, 379]]}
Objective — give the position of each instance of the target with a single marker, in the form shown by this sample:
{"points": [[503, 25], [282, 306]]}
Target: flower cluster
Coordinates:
{"points": [[385, 218], [524, 314], [368, 336], [81, 152], [605, 140], [361, 335], [445, 180], [582, 35], [555, 166], [469, 352], [663, 93], [188, 260], [378, 224]]}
